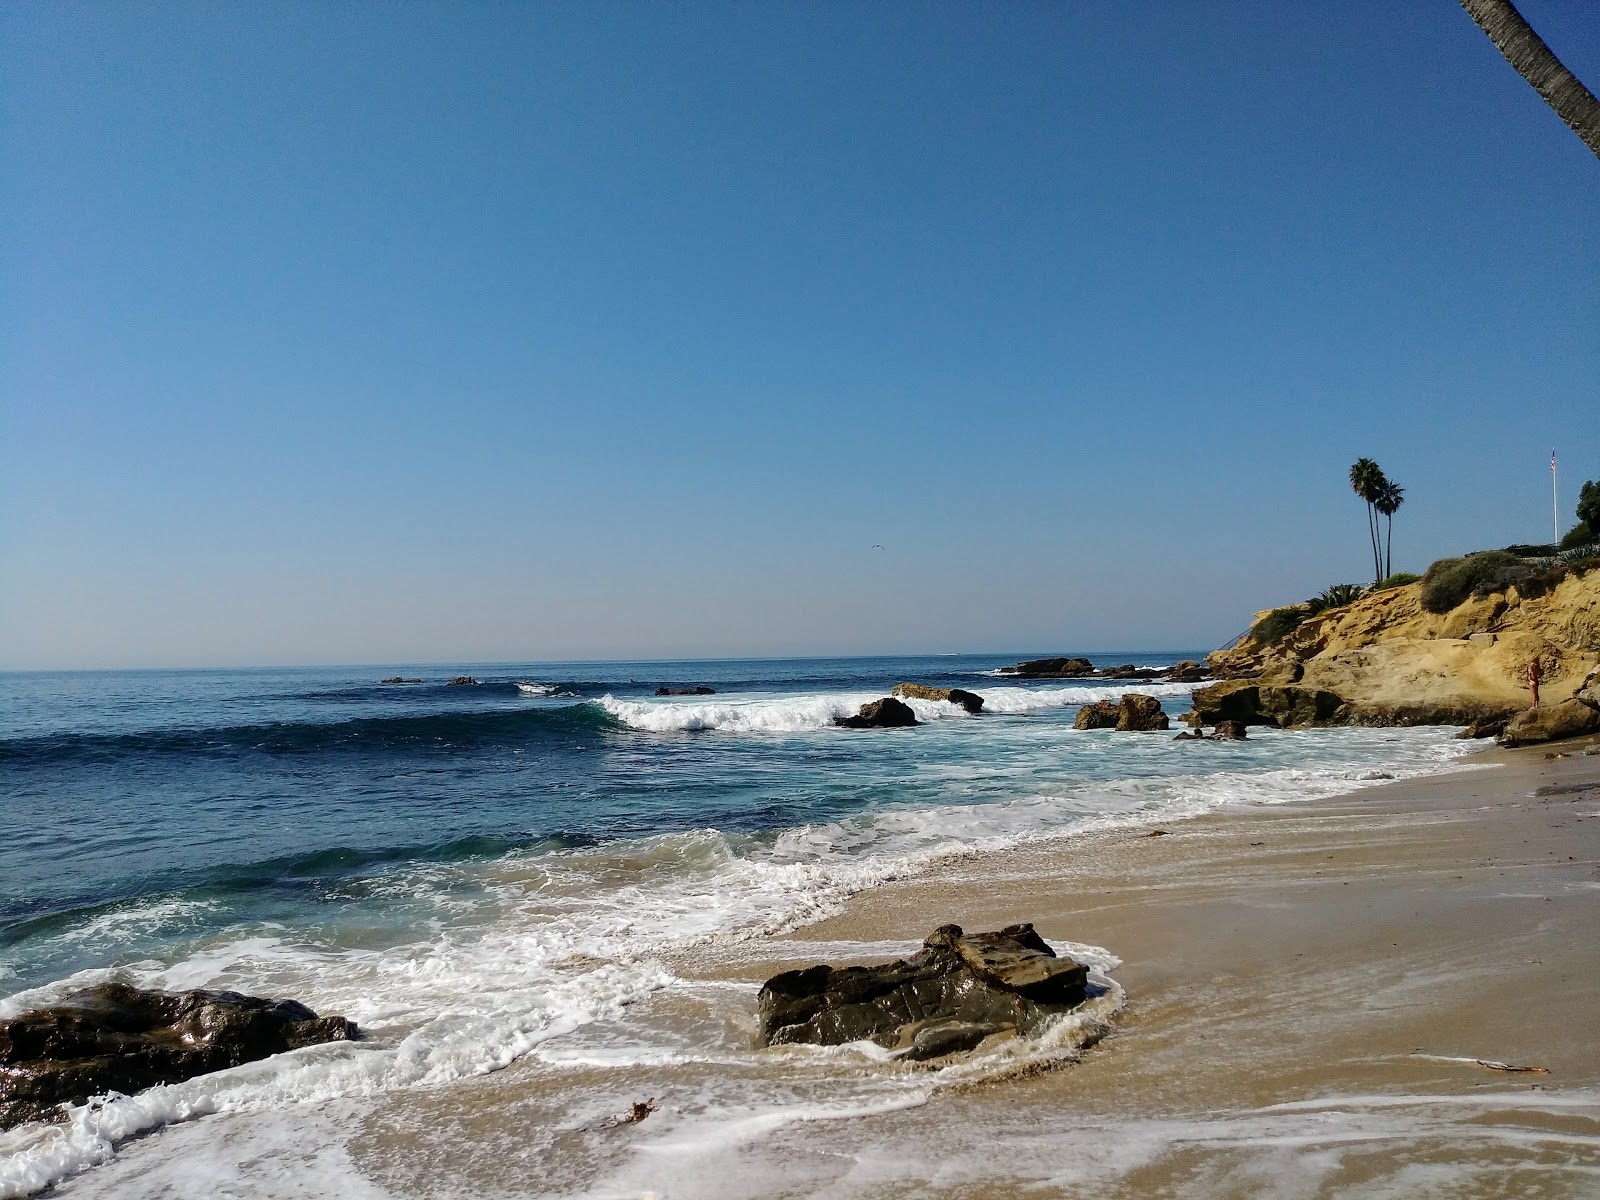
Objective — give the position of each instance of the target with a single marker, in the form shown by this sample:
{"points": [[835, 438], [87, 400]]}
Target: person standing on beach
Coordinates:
{"points": [[1533, 682]]}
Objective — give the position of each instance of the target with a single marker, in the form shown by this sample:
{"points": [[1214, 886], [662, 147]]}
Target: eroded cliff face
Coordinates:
{"points": [[1386, 651]]}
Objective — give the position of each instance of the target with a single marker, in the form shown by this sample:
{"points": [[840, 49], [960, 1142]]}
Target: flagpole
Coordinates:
{"points": [[1555, 504]]}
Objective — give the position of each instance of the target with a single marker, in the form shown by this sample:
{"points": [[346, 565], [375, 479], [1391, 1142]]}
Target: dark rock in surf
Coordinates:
{"points": [[1229, 731], [397, 679], [460, 681], [1101, 714], [970, 701], [114, 1037], [948, 997], [1051, 668], [1127, 671], [1140, 714], [686, 691], [1188, 671], [887, 713]]}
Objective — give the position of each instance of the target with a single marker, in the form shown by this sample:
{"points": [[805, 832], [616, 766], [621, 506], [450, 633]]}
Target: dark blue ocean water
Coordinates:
{"points": [[274, 793]]}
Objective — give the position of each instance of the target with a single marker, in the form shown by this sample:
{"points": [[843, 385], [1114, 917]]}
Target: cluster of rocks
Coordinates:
{"points": [[892, 712], [1187, 671], [701, 690], [957, 991], [460, 681], [1132, 712], [115, 1037], [399, 679]]}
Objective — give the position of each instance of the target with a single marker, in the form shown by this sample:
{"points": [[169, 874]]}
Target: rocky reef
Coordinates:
{"points": [[115, 1037], [970, 701], [1386, 660], [958, 990]]}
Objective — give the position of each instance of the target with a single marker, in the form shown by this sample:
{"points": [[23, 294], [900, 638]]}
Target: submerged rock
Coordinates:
{"points": [[948, 997], [686, 691], [1229, 731], [1140, 714], [970, 701], [114, 1037], [887, 713], [398, 679]]}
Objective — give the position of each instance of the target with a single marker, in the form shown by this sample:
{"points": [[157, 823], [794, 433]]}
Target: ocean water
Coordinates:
{"points": [[502, 872]]}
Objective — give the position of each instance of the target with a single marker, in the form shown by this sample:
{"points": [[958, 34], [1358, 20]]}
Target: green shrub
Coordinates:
{"points": [[1579, 535], [1278, 624], [1398, 579], [1450, 581], [1520, 550]]}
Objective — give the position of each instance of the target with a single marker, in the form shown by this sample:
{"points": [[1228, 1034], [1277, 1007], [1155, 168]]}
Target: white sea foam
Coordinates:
{"points": [[802, 714], [535, 689]]}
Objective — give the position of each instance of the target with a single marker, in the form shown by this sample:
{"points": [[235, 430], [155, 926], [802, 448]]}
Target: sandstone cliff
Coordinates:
{"points": [[1392, 662]]}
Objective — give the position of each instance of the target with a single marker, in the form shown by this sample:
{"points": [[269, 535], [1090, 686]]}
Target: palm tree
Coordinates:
{"points": [[1367, 481], [1525, 50], [1390, 497]]}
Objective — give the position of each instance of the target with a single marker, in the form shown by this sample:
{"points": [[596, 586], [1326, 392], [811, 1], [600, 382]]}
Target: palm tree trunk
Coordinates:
{"points": [[1525, 50], [1372, 528], [1388, 549]]}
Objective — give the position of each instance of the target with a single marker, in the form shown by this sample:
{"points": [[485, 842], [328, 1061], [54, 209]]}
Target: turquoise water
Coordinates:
{"points": [[471, 872]]}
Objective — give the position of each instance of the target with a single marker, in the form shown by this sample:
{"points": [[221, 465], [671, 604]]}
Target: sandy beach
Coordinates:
{"points": [[1310, 990]]}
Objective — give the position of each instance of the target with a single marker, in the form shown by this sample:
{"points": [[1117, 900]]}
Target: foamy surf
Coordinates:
{"points": [[805, 714]]}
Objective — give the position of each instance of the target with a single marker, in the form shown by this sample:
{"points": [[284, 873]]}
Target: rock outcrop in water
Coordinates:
{"points": [[1140, 714], [956, 991], [702, 690], [460, 681], [1051, 668], [1133, 712], [113, 1037], [970, 701], [887, 713], [1098, 714]]}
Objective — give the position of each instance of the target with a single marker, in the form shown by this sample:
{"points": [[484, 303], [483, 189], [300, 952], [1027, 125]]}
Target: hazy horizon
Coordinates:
{"points": [[372, 336]]}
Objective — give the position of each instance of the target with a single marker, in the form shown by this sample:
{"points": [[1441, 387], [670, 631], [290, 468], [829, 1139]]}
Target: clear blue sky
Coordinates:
{"points": [[364, 333]]}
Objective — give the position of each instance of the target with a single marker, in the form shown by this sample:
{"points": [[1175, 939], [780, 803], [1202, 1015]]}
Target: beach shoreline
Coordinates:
{"points": [[1310, 988]]}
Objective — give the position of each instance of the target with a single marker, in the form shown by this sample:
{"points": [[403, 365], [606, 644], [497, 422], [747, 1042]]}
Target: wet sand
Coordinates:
{"points": [[1308, 987]]}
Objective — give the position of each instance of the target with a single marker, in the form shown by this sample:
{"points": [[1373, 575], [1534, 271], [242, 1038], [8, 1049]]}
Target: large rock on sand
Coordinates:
{"points": [[949, 996], [887, 713], [1140, 714], [970, 701], [113, 1037], [1548, 722]]}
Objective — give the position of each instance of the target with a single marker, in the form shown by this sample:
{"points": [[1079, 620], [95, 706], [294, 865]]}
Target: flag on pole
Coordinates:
{"points": [[1552, 462]]}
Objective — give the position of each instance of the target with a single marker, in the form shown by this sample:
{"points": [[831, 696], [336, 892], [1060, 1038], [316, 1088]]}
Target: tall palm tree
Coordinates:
{"points": [[1525, 50], [1390, 497], [1367, 481]]}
